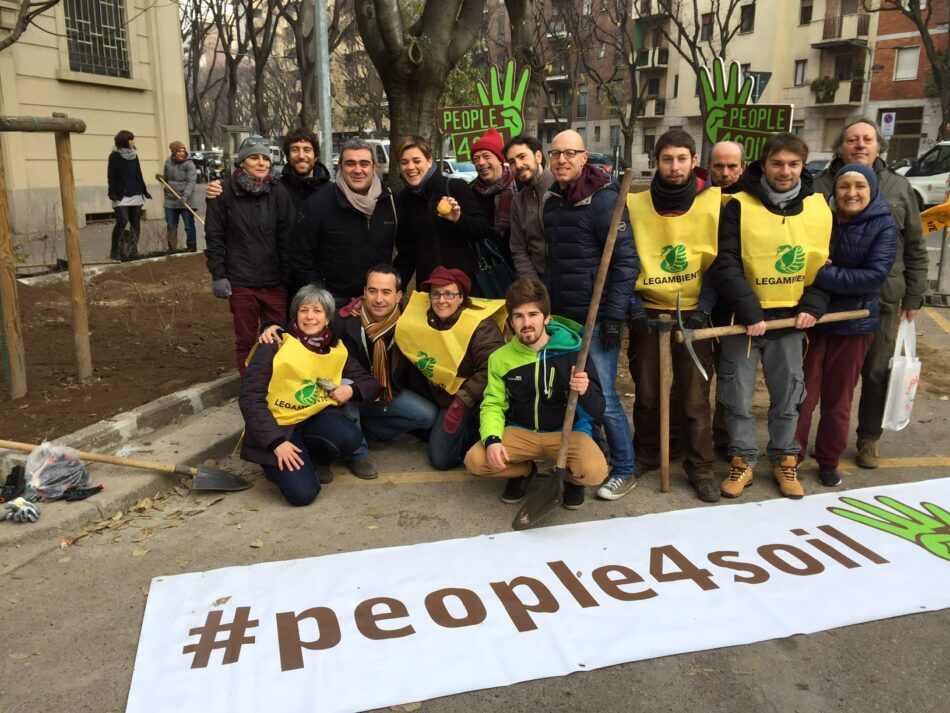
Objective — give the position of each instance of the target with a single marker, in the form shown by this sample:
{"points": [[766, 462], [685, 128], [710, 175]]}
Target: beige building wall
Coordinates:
{"points": [[36, 80]]}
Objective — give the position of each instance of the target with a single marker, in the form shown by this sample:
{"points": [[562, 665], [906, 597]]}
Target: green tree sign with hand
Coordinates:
{"points": [[508, 96], [928, 528], [718, 92]]}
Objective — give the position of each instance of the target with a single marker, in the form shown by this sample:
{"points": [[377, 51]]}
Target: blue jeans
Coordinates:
{"points": [[616, 425], [171, 222], [446, 450], [385, 421]]}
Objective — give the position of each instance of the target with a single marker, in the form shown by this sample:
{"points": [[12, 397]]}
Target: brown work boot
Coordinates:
{"points": [[786, 475], [867, 455], [171, 239], [740, 478]]}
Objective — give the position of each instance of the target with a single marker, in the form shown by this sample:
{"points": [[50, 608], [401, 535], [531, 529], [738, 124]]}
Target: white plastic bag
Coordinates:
{"points": [[902, 383]]}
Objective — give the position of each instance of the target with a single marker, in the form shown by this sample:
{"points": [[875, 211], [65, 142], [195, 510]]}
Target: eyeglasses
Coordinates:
{"points": [[435, 296], [569, 154]]}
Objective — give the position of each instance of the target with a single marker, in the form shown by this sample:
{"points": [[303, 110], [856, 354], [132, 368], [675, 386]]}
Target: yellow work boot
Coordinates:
{"points": [[786, 475], [867, 454], [740, 478]]}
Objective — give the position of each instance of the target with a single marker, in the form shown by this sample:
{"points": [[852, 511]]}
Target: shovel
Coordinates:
{"points": [[202, 477], [175, 193], [548, 496]]}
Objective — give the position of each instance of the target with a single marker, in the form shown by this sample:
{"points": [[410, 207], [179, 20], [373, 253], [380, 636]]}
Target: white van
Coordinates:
{"points": [[381, 154], [929, 175]]}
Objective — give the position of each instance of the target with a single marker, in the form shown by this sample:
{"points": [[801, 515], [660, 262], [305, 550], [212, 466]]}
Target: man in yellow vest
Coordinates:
{"points": [[675, 227], [773, 239]]}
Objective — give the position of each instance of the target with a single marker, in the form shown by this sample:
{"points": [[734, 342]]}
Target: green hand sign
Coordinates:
{"points": [[928, 528], [718, 92], [509, 96]]}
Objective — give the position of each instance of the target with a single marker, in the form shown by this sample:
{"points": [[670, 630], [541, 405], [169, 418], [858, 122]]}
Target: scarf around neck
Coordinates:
{"points": [[668, 198], [248, 184], [779, 200], [376, 332], [503, 192], [319, 343], [127, 154], [365, 204], [425, 179]]}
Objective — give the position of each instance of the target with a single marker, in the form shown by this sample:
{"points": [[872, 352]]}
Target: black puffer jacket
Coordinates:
{"points": [[335, 244], [575, 234], [262, 434], [248, 236], [300, 188], [728, 274], [424, 240], [125, 178]]}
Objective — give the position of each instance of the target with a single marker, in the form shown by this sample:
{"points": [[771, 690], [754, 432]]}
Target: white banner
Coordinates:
{"points": [[371, 629]]}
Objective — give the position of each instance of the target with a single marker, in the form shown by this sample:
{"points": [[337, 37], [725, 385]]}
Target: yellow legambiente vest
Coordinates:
{"points": [[293, 394], [675, 251], [782, 254], [437, 353]]}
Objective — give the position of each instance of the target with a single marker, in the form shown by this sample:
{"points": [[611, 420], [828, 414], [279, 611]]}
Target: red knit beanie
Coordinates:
{"points": [[491, 141]]}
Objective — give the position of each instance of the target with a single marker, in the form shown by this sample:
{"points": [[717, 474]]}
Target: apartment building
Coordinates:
{"points": [[115, 64], [831, 59]]}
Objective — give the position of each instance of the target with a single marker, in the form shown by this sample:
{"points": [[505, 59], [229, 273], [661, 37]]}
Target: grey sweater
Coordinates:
{"points": [[528, 249], [181, 177]]}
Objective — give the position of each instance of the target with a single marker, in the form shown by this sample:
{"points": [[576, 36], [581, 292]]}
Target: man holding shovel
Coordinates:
{"points": [[523, 408], [179, 176], [674, 228], [773, 240]]}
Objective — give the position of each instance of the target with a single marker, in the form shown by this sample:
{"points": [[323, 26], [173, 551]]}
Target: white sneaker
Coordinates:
{"points": [[616, 487]]}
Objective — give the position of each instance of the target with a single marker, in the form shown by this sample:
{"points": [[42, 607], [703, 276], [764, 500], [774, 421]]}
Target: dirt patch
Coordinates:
{"points": [[155, 328], [934, 376]]}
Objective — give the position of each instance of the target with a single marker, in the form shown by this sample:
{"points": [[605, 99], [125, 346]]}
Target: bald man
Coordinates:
{"points": [[577, 214], [726, 165]]}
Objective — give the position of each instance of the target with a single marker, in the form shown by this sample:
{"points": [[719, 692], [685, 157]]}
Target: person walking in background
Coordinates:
{"points": [[248, 244], [863, 249], [180, 173], [127, 192]]}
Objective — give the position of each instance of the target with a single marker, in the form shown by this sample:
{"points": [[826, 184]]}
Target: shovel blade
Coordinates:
{"points": [[541, 502], [206, 478]]}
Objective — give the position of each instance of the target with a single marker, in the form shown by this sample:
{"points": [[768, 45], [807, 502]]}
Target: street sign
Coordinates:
{"points": [[888, 122], [752, 124], [761, 82]]}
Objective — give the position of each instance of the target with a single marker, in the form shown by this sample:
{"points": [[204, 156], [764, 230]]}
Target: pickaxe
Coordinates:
{"points": [[685, 336]]}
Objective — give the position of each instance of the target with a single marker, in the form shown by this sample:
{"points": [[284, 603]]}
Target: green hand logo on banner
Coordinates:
{"points": [[718, 93], [928, 528], [509, 96]]}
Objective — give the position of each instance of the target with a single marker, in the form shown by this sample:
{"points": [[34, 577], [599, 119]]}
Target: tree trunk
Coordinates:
{"points": [[522, 22]]}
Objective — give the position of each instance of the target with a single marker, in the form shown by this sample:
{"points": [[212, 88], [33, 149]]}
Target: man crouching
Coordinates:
{"points": [[522, 413]]}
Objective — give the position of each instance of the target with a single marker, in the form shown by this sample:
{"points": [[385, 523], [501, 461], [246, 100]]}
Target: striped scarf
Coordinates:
{"points": [[377, 331]]}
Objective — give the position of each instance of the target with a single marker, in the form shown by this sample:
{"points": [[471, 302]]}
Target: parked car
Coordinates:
{"points": [[816, 166], [458, 169], [381, 154], [605, 162], [929, 174]]}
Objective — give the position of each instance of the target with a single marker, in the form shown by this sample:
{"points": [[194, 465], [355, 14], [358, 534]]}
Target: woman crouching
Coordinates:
{"points": [[291, 398]]}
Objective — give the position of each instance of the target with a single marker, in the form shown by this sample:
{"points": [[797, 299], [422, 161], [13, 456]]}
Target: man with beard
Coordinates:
{"points": [[528, 250], [345, 229], [302, 175], [494, 188], [675, 225], [522, 413], [902, 295]]}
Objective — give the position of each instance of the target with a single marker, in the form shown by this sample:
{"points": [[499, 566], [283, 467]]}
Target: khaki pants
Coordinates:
{"points": [[585, 461]]}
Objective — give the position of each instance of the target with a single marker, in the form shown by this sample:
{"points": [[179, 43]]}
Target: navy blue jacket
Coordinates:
{"points": [[863, 251], [575, 235]]}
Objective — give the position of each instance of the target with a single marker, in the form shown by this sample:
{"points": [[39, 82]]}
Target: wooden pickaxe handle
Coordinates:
{"points": [[183, 201], [711, 332]]}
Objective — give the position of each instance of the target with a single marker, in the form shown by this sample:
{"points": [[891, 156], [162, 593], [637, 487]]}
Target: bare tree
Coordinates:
{"points": [[939, 66], [26, 12], [521, 20], [204, 77], [260, 17], [232, 43], [414, 57]]}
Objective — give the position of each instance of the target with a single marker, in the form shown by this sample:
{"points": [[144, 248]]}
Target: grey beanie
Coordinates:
{"points": [[251, 150]]}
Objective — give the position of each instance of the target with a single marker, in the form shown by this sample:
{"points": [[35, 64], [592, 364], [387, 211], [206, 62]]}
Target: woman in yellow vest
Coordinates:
{"points": [[291, 398], [449, 336]]}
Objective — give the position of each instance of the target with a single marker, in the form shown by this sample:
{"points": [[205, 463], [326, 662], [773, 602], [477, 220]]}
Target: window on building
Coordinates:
{"points": [[582, 103], [649, 142], [706, 27], [614, 136], [849, 7], [905, 63], [653, 87], [596, 134], [744, 70], [801, 67], [798, 128], [676, 85], [804, 12], [747, 18], [97, 37]]}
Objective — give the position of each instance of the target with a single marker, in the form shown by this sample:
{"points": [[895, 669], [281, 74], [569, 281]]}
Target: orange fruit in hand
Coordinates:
{"points": [[444, 207]]}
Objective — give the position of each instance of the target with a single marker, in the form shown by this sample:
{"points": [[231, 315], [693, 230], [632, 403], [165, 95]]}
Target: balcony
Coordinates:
{"points": [[841, 31], [556, 113], [556, 73], [652, 8], [847, 93], [652, 108], [653, 58]]}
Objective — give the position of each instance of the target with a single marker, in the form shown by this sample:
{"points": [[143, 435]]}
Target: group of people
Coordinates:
{"points": [[352, 364]]}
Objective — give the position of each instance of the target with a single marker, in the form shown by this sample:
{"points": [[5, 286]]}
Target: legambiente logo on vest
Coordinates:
{"points": [[674, 261], [791, 260]]}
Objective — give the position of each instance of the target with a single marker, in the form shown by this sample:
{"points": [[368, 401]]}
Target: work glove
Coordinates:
{"points": [[454, 415], [637, 321], [21, 510], [697, 320], [221, 288], [610, 331]]}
